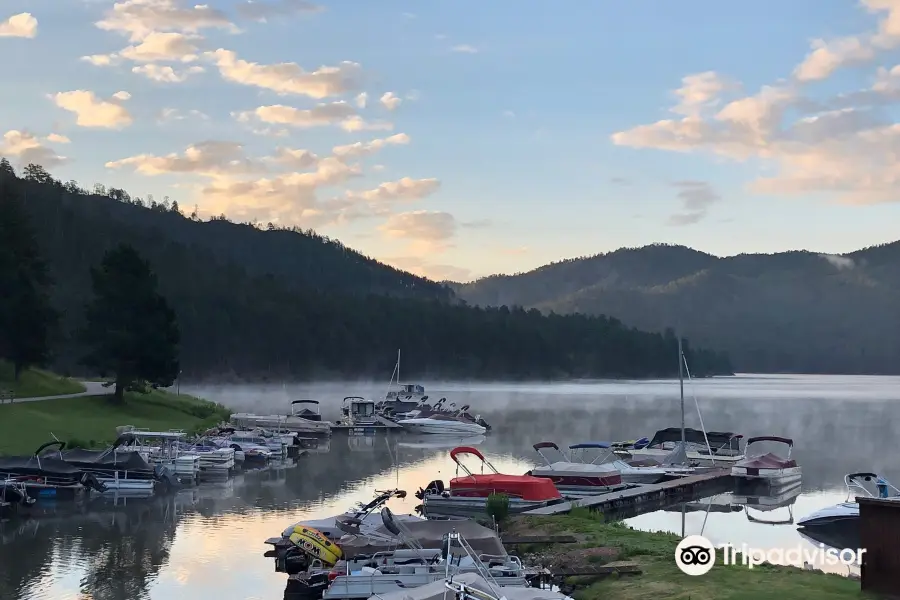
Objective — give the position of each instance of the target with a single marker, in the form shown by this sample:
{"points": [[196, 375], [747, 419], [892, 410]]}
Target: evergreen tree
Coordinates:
{"points": [[131, 330], [26, 316]]}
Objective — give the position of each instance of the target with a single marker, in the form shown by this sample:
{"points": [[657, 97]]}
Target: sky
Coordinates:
{"points": [[461, 139]]}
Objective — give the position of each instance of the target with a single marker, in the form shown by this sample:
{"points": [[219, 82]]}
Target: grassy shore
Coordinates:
{"points": [[91, 421], [602, 542], [33, 383]]}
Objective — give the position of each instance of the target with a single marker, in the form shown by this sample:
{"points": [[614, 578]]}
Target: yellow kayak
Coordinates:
{"points": [[314, 543]]}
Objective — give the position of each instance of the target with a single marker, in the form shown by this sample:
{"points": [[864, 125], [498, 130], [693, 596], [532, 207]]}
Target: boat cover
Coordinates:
{"points": [[525, 487], [766, 461], [678, 456], [575, 468], [429, 534], [436, 590], [104, 459], [32, 465], [717, 439]]}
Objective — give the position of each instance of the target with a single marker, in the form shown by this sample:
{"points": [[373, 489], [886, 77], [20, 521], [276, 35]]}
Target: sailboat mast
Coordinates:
{"points": [[398, 365], [681, 385]]}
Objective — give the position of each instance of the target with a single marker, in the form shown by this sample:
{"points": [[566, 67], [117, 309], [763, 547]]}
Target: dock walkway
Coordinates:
{"points": [[647, 493]]}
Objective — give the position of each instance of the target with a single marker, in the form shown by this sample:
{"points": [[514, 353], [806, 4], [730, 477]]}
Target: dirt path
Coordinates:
{"points": [[91, 388]]}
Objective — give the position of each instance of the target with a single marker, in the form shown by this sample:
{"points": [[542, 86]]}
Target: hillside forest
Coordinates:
{"points": [[261, 302], [791, 312]]}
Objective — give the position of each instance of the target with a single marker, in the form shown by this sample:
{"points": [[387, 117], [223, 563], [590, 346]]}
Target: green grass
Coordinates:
{"points": [[35, 382], [661, 579], [92, 420]]}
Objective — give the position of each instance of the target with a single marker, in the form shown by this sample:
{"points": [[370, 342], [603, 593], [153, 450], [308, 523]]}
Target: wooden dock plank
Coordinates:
{"points": [[635, 495]]}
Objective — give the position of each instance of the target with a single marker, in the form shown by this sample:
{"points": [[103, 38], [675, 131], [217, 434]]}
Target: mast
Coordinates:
{"points": [[398, 365], [681, 385]]}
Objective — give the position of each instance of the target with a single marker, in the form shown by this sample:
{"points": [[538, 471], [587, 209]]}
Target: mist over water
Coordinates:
{"points": [[208, 541]]}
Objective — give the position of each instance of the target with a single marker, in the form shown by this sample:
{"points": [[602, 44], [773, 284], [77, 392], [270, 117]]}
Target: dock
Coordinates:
{"points": [[662, 494], [380, 424]]}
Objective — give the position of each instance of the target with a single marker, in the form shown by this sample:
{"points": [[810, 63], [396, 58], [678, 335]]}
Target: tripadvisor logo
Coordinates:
{"points": [[696, 555]]}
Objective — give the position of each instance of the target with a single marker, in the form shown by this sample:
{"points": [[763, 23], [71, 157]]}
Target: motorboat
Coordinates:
{"points": [[768, 468], [298, 421], [718, 448], [570, 476], [848, 511], [214, 460], [366, 513], [43, 476], [442, 424], [471, 492], [118, 468], [164, 448]]}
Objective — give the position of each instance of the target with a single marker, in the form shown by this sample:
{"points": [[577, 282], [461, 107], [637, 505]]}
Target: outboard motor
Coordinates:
{"points": [[89, 480], [166, 481], [483, 423], [883, 487], [435, 487]]}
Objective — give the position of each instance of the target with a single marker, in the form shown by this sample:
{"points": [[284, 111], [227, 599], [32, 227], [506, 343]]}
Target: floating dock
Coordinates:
{"points": [[661, 494], [381, 424]]}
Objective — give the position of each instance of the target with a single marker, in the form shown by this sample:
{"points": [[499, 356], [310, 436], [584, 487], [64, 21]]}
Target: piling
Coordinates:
{"points": [[879, 534]]}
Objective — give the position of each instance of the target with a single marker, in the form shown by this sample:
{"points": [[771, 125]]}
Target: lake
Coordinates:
{"points": [[208, 541]]}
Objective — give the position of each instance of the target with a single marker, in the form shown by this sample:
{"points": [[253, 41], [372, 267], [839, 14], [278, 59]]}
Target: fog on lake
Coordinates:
{"points": [[208, 540]]}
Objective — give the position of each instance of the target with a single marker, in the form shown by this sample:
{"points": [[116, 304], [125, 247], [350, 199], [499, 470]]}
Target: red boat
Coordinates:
{"points": [[471, 491]]}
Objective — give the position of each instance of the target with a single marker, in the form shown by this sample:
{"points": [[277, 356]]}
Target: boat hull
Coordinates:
{"points": [[439, 503], [435, 426], [770, 477], [658, 454]]}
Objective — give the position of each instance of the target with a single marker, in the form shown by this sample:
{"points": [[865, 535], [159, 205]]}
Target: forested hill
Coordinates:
{"points": [[316, 309], [791, 312]]}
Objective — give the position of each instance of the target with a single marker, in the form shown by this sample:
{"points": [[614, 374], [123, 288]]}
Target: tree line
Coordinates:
{"points": [[127, 276]]}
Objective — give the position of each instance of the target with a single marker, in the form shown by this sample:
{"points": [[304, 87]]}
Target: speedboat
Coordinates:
{"points": [[471, 492], [849, 511], [704, 448], [441, 423], [569, 476], [769, 468], [366, 515]]}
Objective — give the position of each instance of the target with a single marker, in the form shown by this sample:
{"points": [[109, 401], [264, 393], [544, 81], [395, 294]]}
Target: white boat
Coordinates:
{"points": [[163, 448], [576, 474], [710, 448], [769, 469], [442, 424], [848, 511], [303, 421], [364, 516]]}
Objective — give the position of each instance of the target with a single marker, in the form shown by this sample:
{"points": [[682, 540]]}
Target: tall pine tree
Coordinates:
{"points": [[27, 318], [131, 330]]}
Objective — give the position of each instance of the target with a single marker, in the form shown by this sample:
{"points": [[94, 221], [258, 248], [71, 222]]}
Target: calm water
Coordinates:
{"points": [[208, 541]]}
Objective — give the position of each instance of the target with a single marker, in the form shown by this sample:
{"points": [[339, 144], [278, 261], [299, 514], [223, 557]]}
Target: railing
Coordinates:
{"points": [[7, 396]]}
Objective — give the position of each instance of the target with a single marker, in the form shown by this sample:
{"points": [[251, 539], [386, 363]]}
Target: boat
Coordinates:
{"points": [[214, 460], [164, 448], [471, 492], [569, 476], [360, 417], [299, 422], [306, 413], [769, 469], [442, 424], [716, 448], [784, 497], [847, 511], [119, 469], [43, 476]]}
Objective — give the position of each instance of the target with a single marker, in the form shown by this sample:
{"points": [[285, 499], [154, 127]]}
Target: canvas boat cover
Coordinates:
{"points": [[429, 534], [717, 439], [104, 459], [676, 457], [525, 487], [574, 468], [438, 591], [766, 461], [32, 465]]}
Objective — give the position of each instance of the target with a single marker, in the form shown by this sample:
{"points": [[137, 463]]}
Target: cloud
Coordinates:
{"points": [[362, 99], [159, 46], [390, 101], [842, 146], [428, 231], [357, 123], [211, 159], [334, 113], [288, 78], [700, 92], [696, 198], [173, 114], [839, 262], [26, 148], [402, 189], [360, 149], [435, 272], [464, 49], [262, 11], [122, 96], [138, 19], [22, 25], [295, 159], [92, 111], [165, 73]]}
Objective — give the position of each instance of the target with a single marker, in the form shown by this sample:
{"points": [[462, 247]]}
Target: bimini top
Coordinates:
{"points": [[525, 487], [717, 439], [592, 445]]}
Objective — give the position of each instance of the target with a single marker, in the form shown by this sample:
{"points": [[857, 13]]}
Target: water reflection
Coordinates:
{"points": [[208, 541]]}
